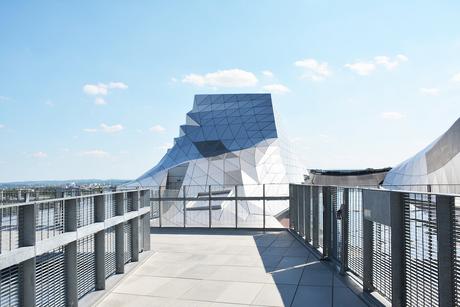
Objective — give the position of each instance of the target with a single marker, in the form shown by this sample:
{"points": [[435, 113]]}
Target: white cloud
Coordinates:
{"points": [[316, 71], [100, 101], [105, 128], [361, 68], [2, 126], [365, 68], [40, 154], [4, 98], [95, 89], [267, 73], [118, 85], [96, 153], [102, 89], [49, 103], [432, 91], [456, 77], [276, 88], [173, 80], [90, 130], [223, 78], [392, 115], [111, 129], [158, 129]]}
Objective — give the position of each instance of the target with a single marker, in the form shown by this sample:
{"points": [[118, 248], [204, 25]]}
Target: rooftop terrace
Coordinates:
{"points": [[230, 268]]}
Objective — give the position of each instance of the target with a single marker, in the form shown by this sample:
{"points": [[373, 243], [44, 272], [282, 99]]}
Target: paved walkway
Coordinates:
{"points": [[230, 268]]}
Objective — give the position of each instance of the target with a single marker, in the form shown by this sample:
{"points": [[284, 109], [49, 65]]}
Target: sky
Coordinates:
{"points": [[98, 89]]}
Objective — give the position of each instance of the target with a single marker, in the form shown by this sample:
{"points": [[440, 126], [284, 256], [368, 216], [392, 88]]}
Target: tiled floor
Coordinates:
{"points": [[230, 268]]}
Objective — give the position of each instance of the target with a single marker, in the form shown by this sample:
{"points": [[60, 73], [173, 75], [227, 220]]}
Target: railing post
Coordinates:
{"points": [[445, 218], [344, 232], [334, 201], [368, 250], [326, 222], [307, 220], [294, 214], [146, 227], [184, 203], [291, 206], [70, 253], [159, 206], [315, 208], [236, 206], [301, 208], [209, 206], [120, 235], [28, 268], [263, 204], [99, 238], [398, 237], [135, 239]]}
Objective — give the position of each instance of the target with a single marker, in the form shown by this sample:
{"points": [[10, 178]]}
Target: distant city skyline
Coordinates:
{"points": [[98, 89]]}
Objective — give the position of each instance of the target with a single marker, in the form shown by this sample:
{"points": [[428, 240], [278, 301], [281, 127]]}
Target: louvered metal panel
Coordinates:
{"points": [[381, 259], [129, 202], [50, 279], [456, 239], [9, 286], [110, 255], [421, 250], [49, 220], [110, 206], [9, 238], [128, 241], [86, 266], [85, 211], [320, 218], [355, 230]]}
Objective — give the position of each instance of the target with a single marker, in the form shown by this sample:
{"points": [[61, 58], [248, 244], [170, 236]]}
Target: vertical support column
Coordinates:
{"points": [[334, 199], [301, 208], [236, 207], [136, 200], [444, 219], [159, 206], [368, 250], [146, 220], [134, 239], [209, 206], [294, 216], [307, 220], [120, 203], [326, 222], [119, 248], [263, 205], [398, 237], [291, 206], [70, 254], [344, 232], [99, 242], [27, 238], [184, 203], [315, 208]]}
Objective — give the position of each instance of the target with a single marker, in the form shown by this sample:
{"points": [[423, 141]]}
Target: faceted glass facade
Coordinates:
{"points": [[226, 140]]}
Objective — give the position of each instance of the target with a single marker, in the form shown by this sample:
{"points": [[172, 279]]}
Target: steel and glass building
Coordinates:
{"points": [[228, 140]]}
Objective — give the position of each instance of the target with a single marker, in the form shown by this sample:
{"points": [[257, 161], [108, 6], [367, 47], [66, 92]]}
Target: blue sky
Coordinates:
{"points": [[98, 89]]}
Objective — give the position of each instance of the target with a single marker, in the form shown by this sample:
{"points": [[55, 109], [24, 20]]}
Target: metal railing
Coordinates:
{"points": [[404, 245], [54, 252], [232, 206]]}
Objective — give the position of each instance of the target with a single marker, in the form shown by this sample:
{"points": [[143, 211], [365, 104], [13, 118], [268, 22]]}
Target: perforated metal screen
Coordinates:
{"points": [[50, 279], [86, 266], [355, 237], [421, 250], [9, 286], [128, 242], [381, 259], [110, 256]]}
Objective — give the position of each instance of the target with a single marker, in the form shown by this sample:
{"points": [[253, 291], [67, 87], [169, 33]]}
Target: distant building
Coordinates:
{"points": [[436, 168], [367, 177]]}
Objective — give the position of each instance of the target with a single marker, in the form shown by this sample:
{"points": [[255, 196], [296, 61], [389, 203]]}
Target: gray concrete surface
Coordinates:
{"points": [[229, 268]]}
